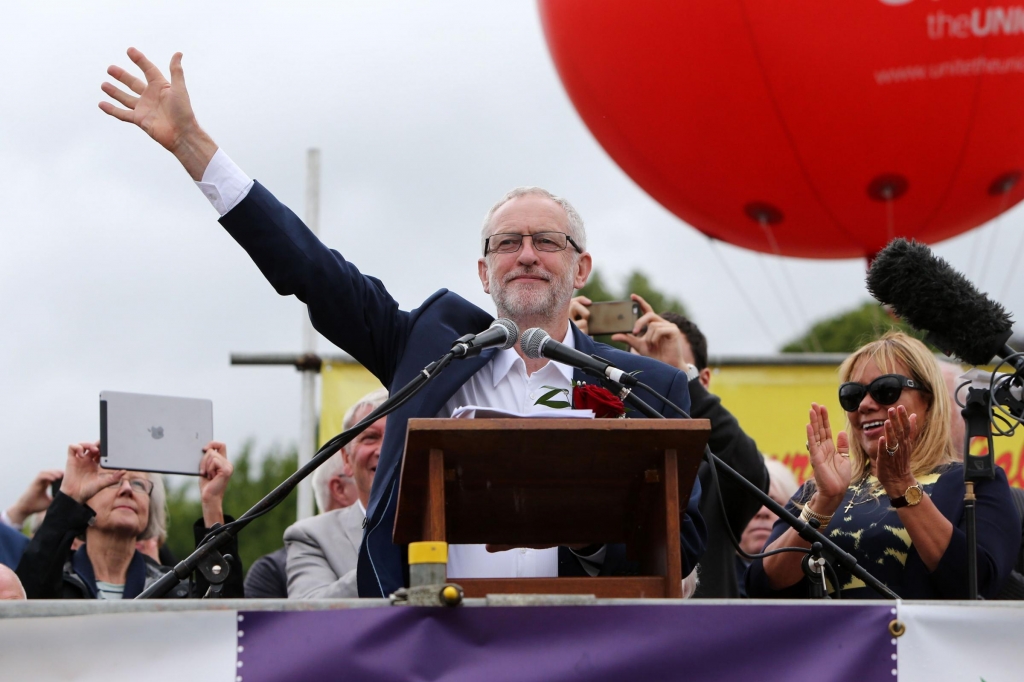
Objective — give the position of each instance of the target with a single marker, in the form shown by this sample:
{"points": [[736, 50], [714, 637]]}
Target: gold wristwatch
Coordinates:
{"points": [[912, 497]]}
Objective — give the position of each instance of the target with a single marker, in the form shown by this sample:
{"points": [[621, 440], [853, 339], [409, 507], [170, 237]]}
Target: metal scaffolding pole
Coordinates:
{"points": [[307, 415]]}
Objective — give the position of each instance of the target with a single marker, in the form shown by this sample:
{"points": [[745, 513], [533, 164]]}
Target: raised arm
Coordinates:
{"points": [[162, 109]]}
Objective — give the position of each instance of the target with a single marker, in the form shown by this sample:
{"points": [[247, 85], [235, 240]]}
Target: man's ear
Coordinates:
{"points": [[481, 269], [583, 268], [346, 467], [705, 377]]}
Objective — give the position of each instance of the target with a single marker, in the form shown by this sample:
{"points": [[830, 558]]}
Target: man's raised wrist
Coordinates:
{"points": [[194, 150], [13, 518]]}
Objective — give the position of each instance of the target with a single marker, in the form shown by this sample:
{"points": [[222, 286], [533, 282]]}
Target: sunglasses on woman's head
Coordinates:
{"points": [[885, 390]]}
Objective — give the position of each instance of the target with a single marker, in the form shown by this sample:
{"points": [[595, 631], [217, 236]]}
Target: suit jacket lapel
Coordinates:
{"points": [[585, 344], [452, 379]]}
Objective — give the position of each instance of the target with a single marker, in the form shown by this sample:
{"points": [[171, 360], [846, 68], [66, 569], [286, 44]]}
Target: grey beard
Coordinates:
{"points": [[524, 306]]}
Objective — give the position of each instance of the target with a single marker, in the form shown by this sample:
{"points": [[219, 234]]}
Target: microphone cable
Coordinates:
{"points": [[709, 457], [330, 447]]}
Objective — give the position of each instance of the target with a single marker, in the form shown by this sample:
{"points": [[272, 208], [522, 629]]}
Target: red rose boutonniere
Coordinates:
{"points": [[602, 401]]}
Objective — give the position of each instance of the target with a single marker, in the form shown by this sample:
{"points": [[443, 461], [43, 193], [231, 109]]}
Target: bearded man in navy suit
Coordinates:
{"points": [[534, 256]]}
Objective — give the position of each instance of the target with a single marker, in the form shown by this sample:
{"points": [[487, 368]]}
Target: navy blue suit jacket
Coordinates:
{"points": [[355, 312], [12, 545]]}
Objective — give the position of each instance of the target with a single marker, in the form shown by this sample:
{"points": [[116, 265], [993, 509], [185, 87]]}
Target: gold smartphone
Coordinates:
{"points": [[612, 317]]}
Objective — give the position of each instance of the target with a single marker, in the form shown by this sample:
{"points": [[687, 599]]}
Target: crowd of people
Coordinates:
{"points": [[889, 488], [98, 534]]}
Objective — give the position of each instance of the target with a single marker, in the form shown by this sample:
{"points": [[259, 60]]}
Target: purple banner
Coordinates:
{"points": [[593, 643]]}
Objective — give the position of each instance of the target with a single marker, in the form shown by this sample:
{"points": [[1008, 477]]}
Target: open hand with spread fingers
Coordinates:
{"points": [[162, 109], [895, 451], [829, 459]]}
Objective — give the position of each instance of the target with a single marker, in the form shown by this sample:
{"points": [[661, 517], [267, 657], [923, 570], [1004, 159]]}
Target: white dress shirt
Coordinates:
{"points": [[503, 383]]}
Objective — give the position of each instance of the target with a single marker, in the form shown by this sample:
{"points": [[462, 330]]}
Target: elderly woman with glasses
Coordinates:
{"points": [[112, 510], [890, 489]]}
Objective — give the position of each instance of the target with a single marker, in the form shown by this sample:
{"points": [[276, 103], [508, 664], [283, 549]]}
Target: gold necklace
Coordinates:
{"points": [[856, 493]]}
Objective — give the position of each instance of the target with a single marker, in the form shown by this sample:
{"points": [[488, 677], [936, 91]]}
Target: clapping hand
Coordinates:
{"points": [[895, 450], [830, 460]]}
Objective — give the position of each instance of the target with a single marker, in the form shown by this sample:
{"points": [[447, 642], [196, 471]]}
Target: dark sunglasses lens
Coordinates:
{"points": [[850, 396], [886, 390]]}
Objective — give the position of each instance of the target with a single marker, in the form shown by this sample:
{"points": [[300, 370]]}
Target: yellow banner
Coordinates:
{"points": [[772, 405], [341, 387]]}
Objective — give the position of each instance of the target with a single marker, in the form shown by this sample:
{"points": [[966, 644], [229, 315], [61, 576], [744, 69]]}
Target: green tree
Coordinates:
{"points": [[849, 330], [248, 486], [639, 284], [595, 289]]}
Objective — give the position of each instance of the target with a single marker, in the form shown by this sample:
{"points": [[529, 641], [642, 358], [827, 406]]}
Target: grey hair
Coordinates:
{"points": [[575, 222], [780, 477], [321, 479], [157, 525]]}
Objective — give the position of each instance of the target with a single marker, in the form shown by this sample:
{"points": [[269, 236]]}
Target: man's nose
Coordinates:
{"points": [[527, 254]]}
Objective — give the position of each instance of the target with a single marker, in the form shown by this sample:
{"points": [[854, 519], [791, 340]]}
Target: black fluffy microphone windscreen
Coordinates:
{"points": [[931, 296]]}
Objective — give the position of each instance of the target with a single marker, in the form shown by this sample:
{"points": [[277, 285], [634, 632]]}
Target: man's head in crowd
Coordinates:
{"points": [[333, 487], [359, 457], [782, 485], [695, 345], [10, 586], [531, 279]]}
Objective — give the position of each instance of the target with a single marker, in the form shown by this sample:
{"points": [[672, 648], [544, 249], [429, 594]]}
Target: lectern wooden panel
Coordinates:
{"points": [[529, 482]]}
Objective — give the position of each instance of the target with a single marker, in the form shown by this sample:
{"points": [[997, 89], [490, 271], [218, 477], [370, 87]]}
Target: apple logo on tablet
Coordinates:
{"points": [[156, 431]]}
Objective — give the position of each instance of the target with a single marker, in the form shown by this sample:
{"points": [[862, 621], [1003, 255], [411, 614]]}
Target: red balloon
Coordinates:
{"points": [[810, 128]]}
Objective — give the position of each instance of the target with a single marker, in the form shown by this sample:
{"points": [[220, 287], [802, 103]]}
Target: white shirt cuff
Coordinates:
{"points": [[224, 183], [6, 520]]}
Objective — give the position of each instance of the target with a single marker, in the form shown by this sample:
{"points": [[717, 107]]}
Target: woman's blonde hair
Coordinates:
{"points": [[934, 445]]}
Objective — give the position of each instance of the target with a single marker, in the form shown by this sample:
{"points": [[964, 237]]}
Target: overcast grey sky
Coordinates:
{"points": [[114, 273]]}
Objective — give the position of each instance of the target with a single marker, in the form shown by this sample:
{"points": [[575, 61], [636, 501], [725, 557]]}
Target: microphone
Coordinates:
{"points": [[502, 334], [928, 293], [537, 343]]}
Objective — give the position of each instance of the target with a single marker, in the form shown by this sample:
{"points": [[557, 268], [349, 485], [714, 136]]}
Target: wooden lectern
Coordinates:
{"points": [[540, 481]]}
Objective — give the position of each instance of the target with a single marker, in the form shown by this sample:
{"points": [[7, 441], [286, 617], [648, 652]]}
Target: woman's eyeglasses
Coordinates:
{"points": [[142, 486], [885, 390]]}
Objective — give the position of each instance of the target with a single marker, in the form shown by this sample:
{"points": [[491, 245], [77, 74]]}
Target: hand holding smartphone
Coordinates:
{"points": [[612, 317]]}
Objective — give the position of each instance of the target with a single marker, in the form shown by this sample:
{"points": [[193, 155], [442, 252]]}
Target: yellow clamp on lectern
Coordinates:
{"points": [[428, 553]]}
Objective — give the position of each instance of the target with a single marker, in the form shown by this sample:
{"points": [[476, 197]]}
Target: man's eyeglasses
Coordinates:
{"points": [[142, 486], [885, 390], [542, 241]]}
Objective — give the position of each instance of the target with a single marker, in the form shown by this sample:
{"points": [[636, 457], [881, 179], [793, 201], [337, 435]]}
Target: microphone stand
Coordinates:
{"points": [[822, 549], [978, 415], [207, 557]]}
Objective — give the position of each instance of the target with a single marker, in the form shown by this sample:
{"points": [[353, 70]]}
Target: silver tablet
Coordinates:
{"points": [[153, 432]]}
